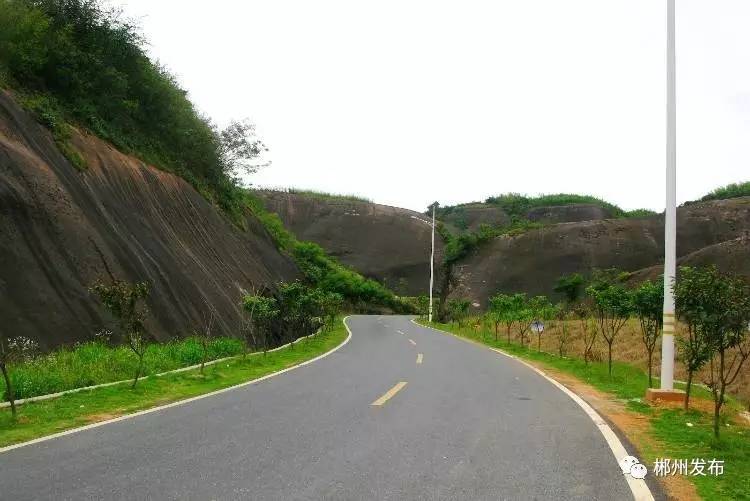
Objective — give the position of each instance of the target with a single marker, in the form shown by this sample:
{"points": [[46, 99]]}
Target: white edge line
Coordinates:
{"points": [[638, 487], [179, 402], [48, 396]]}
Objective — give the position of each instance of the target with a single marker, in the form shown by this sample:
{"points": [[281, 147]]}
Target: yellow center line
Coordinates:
{"points": [[389, 394], [419, 358], [413, 342]]}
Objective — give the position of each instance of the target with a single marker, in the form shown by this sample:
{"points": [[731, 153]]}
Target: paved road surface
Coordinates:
{"points": [[468, 424]]}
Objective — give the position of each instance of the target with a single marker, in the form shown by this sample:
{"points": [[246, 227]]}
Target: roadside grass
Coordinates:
{"points": [[37, 419], [95, 362], [673, 437]]}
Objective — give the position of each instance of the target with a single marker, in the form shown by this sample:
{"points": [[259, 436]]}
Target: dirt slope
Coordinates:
{"points": [[533, 261], [386, 243], [58, 227]]}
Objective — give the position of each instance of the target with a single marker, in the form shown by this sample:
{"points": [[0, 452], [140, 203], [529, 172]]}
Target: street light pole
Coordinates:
{"points": [[432, 261], [670, 216]]}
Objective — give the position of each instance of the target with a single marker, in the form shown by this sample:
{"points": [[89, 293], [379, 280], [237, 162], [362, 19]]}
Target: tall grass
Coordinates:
{"points": [[95, 362], [322, 195]]}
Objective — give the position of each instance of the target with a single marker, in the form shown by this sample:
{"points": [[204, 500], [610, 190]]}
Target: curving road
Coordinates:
{"points": [[467, 424]]}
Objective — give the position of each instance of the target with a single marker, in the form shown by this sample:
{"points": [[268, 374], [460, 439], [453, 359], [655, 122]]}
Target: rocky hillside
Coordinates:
{"points": [[388, 244], [61, 228], [708, 232]]}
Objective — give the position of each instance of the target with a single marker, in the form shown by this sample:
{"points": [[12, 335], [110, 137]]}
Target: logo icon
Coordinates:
{"points": [[631, 466]]}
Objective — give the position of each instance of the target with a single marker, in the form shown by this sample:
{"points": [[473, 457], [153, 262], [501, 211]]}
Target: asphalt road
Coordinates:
{"points": [[468, 424]]}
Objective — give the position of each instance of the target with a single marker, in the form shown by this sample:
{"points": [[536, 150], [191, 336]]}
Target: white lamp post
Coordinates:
{"points": [[432, 262], [670, 216]]}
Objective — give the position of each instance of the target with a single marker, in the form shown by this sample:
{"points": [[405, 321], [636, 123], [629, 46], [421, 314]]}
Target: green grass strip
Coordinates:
{"points": [[37, 419], [669, 427]]}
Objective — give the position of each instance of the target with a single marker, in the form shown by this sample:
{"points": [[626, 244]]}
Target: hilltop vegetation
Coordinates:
{"points": [[733, 190], [517, 205], [76, 62], [321, 195]]}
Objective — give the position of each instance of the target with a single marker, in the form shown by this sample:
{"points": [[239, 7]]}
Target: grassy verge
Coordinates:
{"points": [[38, 419], [95, 362], [669, 434]]}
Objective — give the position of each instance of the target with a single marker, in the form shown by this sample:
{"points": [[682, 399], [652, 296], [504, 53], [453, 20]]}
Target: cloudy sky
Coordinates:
{"points": [[406, 102]]}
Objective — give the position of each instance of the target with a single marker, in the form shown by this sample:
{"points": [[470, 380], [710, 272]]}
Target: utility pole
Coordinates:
{"points": [[670, 214], [432, 260]]}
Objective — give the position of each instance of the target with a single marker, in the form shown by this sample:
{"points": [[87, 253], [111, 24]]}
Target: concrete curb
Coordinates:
{"points": [[639, 488], [48, 396]]}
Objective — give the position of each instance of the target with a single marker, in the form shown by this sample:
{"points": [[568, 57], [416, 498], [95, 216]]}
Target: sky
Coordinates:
{"points": [[407, 102]]}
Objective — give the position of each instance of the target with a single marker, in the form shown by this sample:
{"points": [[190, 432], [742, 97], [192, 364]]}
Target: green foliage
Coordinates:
{"points": [[716, 308], [648, 302], [570, 286], [124, 301], [97, 362], [516, 204], [323, 195], [83, 63], [612, 305], [322, 271], [261, 312], [734, 190], [458, 309], [78, 409]]}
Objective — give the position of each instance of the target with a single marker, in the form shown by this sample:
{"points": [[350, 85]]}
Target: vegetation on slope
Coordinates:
{"points": [[321, 195], [321, 270], [73, 61], [733, 190], [518, 205]]}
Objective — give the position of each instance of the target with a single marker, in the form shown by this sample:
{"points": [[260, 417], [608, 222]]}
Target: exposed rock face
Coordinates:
{"points": [[532, 262], [59, 226], [569, 213], [388, 244], [732, 256]]}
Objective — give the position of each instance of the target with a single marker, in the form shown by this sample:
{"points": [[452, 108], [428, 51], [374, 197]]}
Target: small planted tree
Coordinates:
{"points": [[562, 313], [648, 301], [499, 305], [695, 294], [14, 350], [423, 306], [331, 304], [589, 333], [720, 312], [542, 310], [524, 315], [459, 309], [612, 308], [205, 332], [125, 302], [261, 312]]}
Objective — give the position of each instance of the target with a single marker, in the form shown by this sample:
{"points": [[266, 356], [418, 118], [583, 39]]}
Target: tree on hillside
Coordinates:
{"points": [[240, 150], [571, 286], [13, 350], [612, 308], [423, 306], [124, 301], [648, 301], [716, 308]]}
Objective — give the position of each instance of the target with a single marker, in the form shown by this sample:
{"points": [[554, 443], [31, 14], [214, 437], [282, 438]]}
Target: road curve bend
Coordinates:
{"points": [[400, 412]]}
